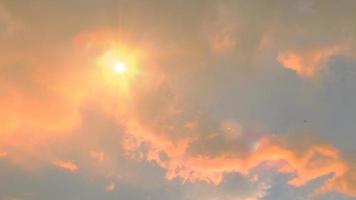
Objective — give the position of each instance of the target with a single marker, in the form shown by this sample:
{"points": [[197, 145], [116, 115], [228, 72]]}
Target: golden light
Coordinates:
{"points": [[120, 68]]}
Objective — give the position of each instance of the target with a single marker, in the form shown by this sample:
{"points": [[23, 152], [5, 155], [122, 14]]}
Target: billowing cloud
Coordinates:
{"points": [[314, 160]]}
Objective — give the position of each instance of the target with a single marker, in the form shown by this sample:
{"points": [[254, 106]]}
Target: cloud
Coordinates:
{"points": [[164, 107], [306, 164], [202, 151], [67, 165], [39, 104], [344, 183], [308, 63]]}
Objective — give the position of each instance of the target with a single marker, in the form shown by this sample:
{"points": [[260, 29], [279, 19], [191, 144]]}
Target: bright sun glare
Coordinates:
{"points": [[120, 68]]}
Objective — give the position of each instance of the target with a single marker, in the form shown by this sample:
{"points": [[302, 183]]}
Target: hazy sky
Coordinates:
{"points": [[177, 100]]}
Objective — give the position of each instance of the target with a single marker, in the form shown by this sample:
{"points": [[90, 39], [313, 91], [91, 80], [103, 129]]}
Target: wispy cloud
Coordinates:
{"points": [[67, 165]]}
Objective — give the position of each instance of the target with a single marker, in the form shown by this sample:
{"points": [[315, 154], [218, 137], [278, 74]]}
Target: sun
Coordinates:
{"points": [[120, 68]]}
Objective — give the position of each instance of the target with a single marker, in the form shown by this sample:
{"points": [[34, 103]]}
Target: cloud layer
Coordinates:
{"points": [[202, 85]]}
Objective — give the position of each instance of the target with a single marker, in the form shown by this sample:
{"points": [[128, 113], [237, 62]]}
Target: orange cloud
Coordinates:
{"points": [[308, 63], [67, 165], [306, 165], [43, 94], [50, 107], [344, 183], [40, 103]]}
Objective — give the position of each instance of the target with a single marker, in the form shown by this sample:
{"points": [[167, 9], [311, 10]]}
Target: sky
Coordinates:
{"points": [[177, 100]]}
